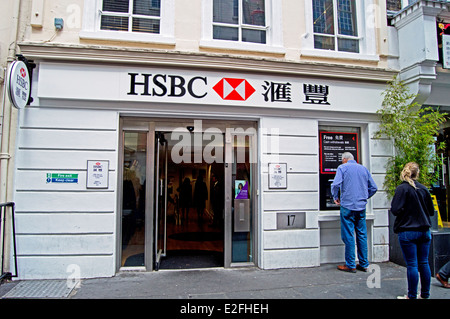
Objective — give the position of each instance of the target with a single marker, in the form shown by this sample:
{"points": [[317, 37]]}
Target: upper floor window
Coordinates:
{"points": [[131, 15], [240, 20], [249, 25], [341, 29], [335, 25], [129, 20]]}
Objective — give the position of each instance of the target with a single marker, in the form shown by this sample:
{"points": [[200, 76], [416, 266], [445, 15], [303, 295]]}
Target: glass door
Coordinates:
{"points": [[133, 199], [151, 226], [241, 197], [161, 161]]}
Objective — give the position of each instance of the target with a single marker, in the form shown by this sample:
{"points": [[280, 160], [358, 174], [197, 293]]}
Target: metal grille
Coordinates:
{"points": [[41, 289]]}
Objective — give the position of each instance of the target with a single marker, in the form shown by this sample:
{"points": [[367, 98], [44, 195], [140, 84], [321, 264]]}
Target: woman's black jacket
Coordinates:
{"points": [[412, 208]]}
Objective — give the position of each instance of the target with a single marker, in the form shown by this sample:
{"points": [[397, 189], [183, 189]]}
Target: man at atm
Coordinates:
{"points": [[355, 185]]}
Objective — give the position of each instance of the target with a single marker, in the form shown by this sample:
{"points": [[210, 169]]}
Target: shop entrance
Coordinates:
{"points": [[188, 197], [190, 200]]}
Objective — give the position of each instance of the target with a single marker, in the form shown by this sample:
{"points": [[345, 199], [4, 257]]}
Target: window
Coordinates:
{"points": [[129, 20], [249, 25], [240, 20], [335, 25], [393, 5], [341, 29], [131, 15]]}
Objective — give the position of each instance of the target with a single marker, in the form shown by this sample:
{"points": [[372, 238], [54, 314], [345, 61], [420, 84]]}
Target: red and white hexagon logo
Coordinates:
{"points": [[234, 89]]}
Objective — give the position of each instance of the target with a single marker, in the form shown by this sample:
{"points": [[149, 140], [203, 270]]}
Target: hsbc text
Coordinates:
{"points": [[167, 85]]}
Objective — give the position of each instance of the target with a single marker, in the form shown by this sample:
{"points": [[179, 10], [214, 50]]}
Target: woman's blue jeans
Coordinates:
{"points": [[354, 223], [416, 247]]}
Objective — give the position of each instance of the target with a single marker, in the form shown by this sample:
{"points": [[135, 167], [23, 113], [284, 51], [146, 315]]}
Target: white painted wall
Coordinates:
{"points": [[63, 224], [298, 147], [320, 242], [59, 224]]}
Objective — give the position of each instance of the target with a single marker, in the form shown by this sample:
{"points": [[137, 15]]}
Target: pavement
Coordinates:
{"points": [[383, 281]]}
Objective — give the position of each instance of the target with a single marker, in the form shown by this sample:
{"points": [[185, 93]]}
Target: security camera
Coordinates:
{"points": [[190, 128]]}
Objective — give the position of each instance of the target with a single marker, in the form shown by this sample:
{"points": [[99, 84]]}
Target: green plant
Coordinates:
{"points": [[413, 130]]}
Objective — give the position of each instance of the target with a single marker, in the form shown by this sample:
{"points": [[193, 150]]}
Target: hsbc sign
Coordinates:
{"points": [[206, 87], [234, 89], [160, 85], [165, 85], [228, 89]]}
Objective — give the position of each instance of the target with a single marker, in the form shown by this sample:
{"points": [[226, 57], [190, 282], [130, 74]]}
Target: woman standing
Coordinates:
{"points": [[412, 205]]}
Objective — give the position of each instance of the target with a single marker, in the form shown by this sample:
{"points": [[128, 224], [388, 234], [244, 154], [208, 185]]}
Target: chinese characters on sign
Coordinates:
{"points": [[332, 145], [277, 92], [315, 94], [97, 174], [277, 175], [231, 89], [281, 92], [446, 51], [19, 84]]}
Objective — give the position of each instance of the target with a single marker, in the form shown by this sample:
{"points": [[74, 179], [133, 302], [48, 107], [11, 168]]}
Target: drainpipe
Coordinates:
{"points": [[8, 128]]}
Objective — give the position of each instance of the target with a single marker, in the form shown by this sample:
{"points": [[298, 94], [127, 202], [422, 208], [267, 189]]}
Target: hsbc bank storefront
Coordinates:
{"points": [[141, 167]]}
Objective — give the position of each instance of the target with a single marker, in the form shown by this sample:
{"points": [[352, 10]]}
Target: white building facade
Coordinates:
{"points": [[422, 32], [131, 98]]}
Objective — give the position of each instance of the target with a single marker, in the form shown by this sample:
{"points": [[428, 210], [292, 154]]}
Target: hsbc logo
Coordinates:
{"points": [[160, 85], [234, 89], [168, 87]]}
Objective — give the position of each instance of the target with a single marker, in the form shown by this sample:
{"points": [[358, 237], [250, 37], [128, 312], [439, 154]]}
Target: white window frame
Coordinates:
{"points": [[274, 32], [406, 3], [366, 27], [92, 18]]}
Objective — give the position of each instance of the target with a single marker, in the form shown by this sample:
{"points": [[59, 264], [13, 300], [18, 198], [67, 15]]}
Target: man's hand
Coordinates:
{"points": [[337, 202]]}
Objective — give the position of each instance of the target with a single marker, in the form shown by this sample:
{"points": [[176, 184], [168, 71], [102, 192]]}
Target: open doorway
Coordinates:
{"points": [[166, 171], [190, 205]]}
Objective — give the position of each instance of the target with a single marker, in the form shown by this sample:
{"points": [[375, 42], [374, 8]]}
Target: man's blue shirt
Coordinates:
{"points": [[355, 184]]}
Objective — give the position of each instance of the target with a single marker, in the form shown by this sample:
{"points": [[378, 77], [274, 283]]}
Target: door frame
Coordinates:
{"points": [[153, 125]]}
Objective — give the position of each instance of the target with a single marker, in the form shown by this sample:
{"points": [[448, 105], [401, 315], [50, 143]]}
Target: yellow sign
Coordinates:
{"points": [[436, 208]]}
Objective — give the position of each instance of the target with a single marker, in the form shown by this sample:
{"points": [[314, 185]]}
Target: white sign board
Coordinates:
{"points": [[277, 175], [165, 85], [18, 84], [97, 174], [446, 51]]}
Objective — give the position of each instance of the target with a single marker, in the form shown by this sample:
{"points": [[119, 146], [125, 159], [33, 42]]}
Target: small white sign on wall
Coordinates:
{"points": [[97, 174], [446, 51], [277, 175]]}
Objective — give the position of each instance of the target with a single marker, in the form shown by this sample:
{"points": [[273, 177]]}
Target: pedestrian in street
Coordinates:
{"points": [[355, 185], [200, 197], [443, 275], [412, 205], [185, 191]]}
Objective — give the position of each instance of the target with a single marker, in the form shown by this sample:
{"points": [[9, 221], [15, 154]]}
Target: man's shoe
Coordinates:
{"points": [[345, 268], [444, 283], [359, 267]]}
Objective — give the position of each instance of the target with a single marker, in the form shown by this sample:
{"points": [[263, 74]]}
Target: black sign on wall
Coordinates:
{"points": [[332, 145]]}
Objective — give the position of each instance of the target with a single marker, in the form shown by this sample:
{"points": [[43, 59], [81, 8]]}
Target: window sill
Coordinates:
{"points": [[127, 37], [334, 215], [241, 46], [340, 55]]}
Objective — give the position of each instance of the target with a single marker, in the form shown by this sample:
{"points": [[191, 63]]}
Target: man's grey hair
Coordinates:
{"points": [[348, 156]]}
